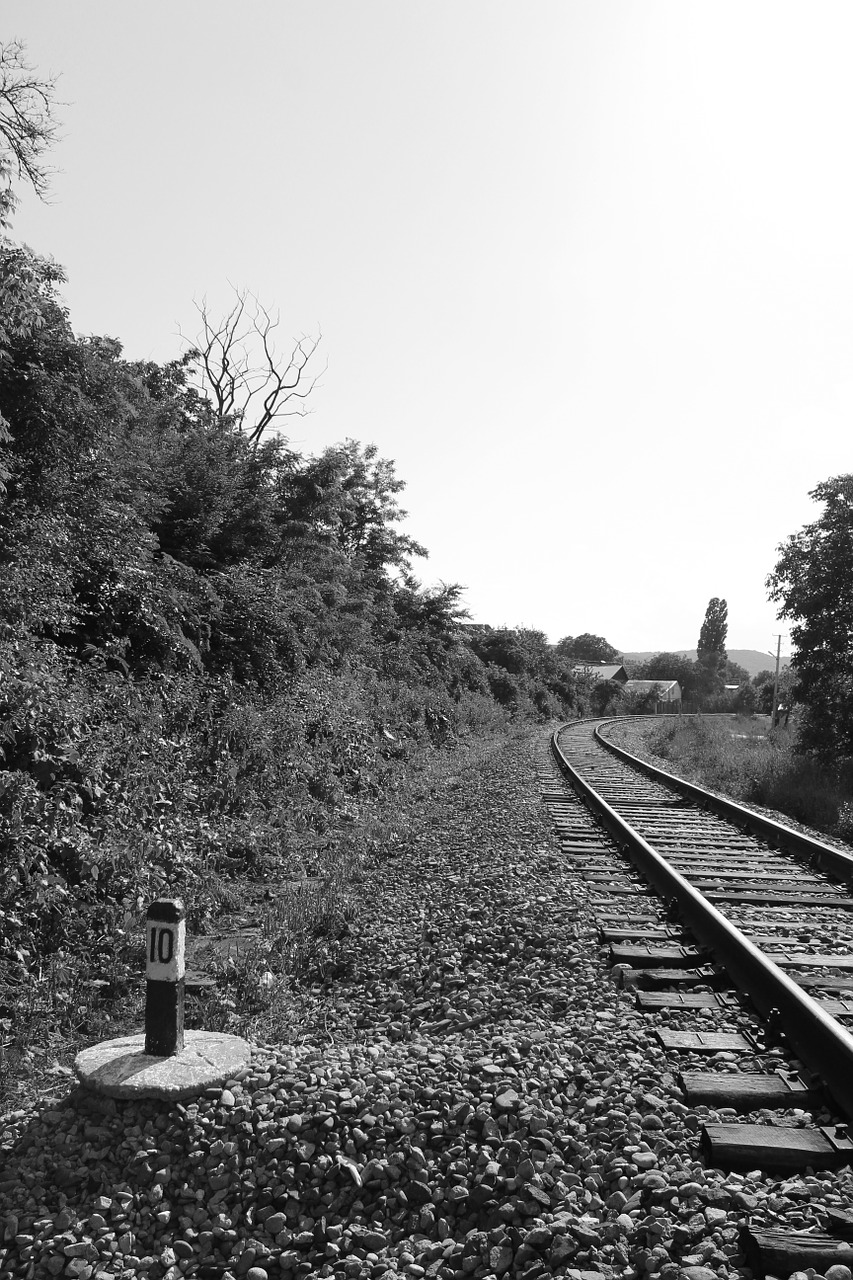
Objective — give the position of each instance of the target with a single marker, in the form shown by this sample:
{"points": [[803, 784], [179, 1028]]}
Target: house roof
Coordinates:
{"points": [[601, 670]]}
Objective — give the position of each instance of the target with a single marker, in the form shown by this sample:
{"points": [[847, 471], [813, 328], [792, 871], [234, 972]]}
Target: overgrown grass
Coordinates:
{"points": [[744, 759]]}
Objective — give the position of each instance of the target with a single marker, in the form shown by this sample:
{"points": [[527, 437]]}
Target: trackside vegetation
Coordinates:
{"points": [[216, 661], [812, 584], [743, 758], [220, 675]]}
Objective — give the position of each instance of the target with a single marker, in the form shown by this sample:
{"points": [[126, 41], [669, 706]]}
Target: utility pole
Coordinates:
{"points": [[776, 684]]}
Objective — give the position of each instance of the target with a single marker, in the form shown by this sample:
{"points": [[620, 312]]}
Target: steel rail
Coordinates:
{"points": [[821, 1043]]}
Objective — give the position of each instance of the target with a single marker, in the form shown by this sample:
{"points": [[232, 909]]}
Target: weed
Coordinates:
{"points": [[742, 758]]}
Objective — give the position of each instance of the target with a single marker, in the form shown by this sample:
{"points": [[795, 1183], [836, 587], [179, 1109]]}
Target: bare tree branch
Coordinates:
{"points": [[243, 373], [27, 126]]}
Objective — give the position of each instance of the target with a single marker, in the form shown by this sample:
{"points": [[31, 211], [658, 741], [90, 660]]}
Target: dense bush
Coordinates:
{"points": [[525, 674]]}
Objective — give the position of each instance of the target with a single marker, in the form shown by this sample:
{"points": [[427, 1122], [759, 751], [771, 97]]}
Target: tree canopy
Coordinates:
{"points": [[669, 666], [735, 673], [587, 648], [812, 584]]}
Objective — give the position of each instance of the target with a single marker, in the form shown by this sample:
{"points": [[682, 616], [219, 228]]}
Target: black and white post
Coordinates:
{"points": [[165, 944], [164, 1063]]}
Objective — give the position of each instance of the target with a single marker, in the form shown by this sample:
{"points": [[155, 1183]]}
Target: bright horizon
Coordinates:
{"points": [[583, 271]]}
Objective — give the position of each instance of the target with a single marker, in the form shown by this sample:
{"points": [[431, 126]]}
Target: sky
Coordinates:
{"points": [[583, 268]]}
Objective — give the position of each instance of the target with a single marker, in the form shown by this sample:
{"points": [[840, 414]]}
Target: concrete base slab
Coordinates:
{"points": [[122, 1069]]}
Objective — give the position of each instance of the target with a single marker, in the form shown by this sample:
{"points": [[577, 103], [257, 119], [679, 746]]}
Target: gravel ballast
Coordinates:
{"points": [[484, 1101]]}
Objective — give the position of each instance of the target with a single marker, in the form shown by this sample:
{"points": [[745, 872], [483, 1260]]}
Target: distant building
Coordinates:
{"points": [[601, 671]]}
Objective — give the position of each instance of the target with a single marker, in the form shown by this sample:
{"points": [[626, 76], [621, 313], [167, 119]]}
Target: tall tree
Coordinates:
{"points": [[712, 636], [813, 585], [711, 649]]}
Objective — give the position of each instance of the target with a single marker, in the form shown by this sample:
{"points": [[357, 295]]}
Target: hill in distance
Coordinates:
{"points": [[752, 660]]}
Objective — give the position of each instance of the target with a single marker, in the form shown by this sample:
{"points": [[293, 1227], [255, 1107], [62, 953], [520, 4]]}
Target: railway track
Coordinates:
{"points": [[735, 935]]}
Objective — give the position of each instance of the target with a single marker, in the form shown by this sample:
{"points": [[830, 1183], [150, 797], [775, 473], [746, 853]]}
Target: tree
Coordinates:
{"points": [[524, 669], [243, 373], [587, 648], [26, 297], [735, 673], [347, 498], [712, 636], [813, 585], [670, 666], [604, 697], [711, 649], [27, 125], [220, 503], [425, 637], [27, 283], [27, 130], [764, 684]]}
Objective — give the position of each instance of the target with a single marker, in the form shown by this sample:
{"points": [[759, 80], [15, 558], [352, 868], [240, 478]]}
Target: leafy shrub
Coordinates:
{"points": [[844, 824]]}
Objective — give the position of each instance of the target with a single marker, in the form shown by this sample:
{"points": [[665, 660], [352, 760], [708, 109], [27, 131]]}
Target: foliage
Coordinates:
{"points": [[670, 666], [587, 648], [711, 653], [812, 584], [712, 635], [26, 281], [738, 758], [27, 130], [610, 698], [607, 697], [702, 682], [26, 284], [735, 673], [744, 699], [526, 674], [640, 702], [763, 684]]}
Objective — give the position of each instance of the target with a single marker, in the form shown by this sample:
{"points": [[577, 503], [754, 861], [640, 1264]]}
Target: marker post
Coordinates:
{"points": [[165, 1062], [165, 946]]}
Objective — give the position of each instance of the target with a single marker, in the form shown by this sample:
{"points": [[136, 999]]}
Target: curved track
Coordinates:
{"points": [[766, 904]]}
